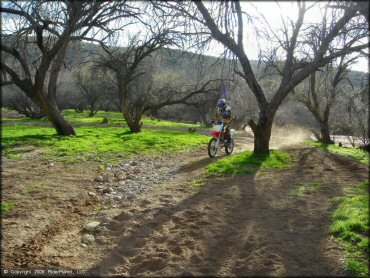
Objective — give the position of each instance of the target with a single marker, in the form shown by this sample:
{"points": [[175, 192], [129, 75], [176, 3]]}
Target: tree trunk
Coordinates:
{"points": [[262, 134], [61, 125], [92, 112], [133, 116], [134, 124], [203, 120], [325, 133]]}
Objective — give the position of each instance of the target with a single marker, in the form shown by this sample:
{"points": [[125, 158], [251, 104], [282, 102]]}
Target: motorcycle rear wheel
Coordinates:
{"points": [[212, 150], [229, 147]]}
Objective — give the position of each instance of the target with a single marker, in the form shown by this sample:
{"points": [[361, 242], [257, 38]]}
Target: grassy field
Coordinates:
{"points": [[358, 154], [114, 119], [247, 162], [93, 142], [351, 227]]}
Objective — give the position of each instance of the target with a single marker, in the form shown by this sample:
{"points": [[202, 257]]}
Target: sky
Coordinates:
{"points": [[273, 12]]}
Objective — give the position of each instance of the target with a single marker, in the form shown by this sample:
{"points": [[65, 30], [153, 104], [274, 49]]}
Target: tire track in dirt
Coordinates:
{"points": [[31, 254], [237, 226]]}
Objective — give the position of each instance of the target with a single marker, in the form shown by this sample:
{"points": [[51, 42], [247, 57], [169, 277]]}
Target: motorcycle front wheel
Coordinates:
{"points": [[212, 150], [229, 148]]}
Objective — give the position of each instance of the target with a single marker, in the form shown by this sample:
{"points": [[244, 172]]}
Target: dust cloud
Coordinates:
{"points": [[281, 137], [288, 135]]}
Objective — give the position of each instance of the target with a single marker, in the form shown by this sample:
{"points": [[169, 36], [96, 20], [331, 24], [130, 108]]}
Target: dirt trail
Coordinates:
{"points": [[236, 226], [231, 226]]}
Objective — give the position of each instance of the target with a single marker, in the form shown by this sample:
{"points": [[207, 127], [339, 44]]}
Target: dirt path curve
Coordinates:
{"points": [[234, 226]]}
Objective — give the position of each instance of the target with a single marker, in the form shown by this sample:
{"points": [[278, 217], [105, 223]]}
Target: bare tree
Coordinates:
{"points": [[133, 68], [35, 37], [21, 103], [321, 90], [358, 108], [93, 90], [225, 23]]}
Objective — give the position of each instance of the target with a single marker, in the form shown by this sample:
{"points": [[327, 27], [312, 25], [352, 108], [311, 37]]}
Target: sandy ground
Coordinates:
{"points": [[245, 225]]}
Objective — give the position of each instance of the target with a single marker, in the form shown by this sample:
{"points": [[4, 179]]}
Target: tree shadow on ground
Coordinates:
{"points": [[213, 189], [238, 226]]}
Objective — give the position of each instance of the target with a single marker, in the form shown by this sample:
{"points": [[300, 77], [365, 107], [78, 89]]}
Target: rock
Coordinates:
{"points": [[107, 190], [28, 226], [133, 163], [102, 240], [92, 194], [122, 190], [120, 175], [83, 245], [137, 170], [117, 198], [99, 178], [130, 196], [88, 239], [51, 164], [91, 226], [107, 178], [105, 120]]}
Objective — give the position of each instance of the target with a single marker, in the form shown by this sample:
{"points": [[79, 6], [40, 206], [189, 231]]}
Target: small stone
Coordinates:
{"points": [[117, 198], [107, 190], [120, 175], [28, 226], [107, 178], [102, 240], [88, 239], [99, 178], [133, 163], [122, 190], [92, 194], [51, 164], [137, 170], [91, 226], [83, 245], [130, 196]]}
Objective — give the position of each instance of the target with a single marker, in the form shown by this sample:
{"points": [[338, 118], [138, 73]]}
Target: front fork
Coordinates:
{"points": [[218, 138]]}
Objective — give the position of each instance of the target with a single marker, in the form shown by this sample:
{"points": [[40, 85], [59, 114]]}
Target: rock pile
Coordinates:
{"points": [[127, 179]]}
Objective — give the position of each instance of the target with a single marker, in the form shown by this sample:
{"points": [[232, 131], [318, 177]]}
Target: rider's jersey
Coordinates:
{"points": [[225, 114]]}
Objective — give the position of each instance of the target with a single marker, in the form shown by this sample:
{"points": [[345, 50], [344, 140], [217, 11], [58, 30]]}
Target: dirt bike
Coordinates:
{"points": [[220, 141]]}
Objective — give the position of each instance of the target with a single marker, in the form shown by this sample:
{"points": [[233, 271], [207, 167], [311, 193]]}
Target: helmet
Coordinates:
{"points": [[221, 103]]}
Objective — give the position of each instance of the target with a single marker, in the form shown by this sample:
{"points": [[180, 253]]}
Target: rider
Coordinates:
{"points": [[224, 115]]}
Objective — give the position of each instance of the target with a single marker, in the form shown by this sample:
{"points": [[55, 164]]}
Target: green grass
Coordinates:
{"points": [[148, 121], [95, 141], [197, 183], [358, 154], [247, 162], [114, 119], [351, 226], [33, 189], [75, 118], [303, 189], [7, 205]]}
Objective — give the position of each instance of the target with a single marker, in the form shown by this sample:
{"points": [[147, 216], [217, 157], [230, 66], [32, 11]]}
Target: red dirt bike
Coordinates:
{"points": [[220, 140]]}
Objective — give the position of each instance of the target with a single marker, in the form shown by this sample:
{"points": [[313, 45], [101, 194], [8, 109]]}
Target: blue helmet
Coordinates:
{"points": [[221, 103]]}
